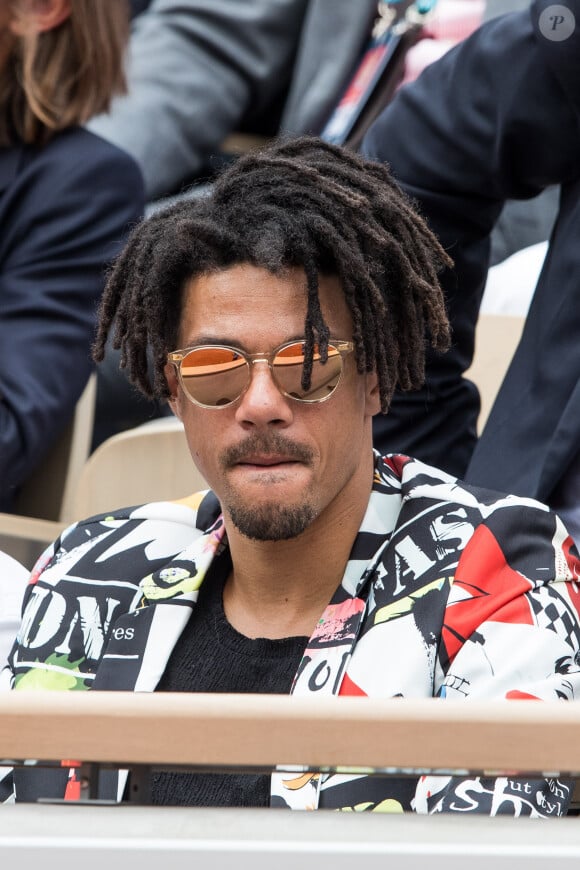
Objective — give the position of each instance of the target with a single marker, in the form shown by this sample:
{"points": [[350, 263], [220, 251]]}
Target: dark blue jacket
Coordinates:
{"points": [[496, 118], [64, 212]]}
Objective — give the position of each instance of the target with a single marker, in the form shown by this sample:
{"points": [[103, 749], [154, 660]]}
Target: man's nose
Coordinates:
{"points": [[263, 403]]}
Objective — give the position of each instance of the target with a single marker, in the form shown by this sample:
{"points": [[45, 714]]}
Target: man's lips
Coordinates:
{"points": [[267, 461], [256, 452]]}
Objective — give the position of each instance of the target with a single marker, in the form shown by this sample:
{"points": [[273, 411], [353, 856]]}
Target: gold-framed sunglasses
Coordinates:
{"points": [[216, 375]]}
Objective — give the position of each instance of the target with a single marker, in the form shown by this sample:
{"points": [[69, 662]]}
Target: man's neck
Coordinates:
{"points": [[280, 588]]}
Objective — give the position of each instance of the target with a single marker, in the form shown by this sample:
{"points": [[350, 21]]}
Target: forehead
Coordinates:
{"points": [[249, 306]]}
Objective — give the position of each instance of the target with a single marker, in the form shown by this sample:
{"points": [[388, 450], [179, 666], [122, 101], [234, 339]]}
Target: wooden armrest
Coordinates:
{"points": [[219, 730], [30, 528]]}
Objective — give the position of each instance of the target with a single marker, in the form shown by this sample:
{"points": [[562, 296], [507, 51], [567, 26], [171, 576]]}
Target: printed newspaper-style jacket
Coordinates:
{"points": [[450, 591]]}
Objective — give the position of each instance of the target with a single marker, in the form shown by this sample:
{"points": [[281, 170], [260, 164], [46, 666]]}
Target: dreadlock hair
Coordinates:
{"points": [[296, 203]]}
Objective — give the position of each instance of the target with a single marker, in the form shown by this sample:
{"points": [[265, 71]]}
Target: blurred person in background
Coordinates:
{"points": [[67, 198], [199, 69], [497, 118]]}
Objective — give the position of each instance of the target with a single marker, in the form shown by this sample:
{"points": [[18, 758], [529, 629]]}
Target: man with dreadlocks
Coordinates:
{"points": [[280, 312]]}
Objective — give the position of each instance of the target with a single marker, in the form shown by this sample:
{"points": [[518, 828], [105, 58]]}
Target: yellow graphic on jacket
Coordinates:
{"points": [[56, 674], [405, 605], [300, 781]]}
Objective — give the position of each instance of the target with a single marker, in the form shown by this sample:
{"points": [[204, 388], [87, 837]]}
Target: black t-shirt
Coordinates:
{"points": [[211, 656]]}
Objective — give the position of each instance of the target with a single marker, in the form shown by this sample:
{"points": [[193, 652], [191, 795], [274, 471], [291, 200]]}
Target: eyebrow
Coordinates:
{"points": [[209, 340]]}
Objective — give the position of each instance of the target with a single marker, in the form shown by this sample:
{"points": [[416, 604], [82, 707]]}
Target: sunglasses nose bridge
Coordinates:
{"points": [[256, 358]]}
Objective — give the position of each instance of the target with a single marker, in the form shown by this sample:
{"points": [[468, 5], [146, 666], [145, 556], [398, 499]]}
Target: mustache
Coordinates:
{"points": [[270, 443]]}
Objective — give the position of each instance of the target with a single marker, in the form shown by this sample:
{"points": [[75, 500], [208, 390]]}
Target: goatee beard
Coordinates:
{"points": [[271, 522]]}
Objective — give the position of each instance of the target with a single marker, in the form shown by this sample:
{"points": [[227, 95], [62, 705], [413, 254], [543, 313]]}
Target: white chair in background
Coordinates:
{"points": [[148, 463], [496, 339]]}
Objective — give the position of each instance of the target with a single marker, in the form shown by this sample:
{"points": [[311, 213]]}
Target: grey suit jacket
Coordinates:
{"points": [[200, 69]]}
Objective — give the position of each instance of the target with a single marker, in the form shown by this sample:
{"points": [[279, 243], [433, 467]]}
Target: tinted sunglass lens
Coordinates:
{"points": [[288, 368], [214, 376]]}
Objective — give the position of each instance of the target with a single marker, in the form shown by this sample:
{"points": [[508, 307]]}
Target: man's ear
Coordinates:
{"points": [[174, 405], [172, 383], [38, 16], [372, 395]]}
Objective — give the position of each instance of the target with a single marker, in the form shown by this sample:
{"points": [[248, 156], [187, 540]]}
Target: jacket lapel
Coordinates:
{"points": [[142, 641]]}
